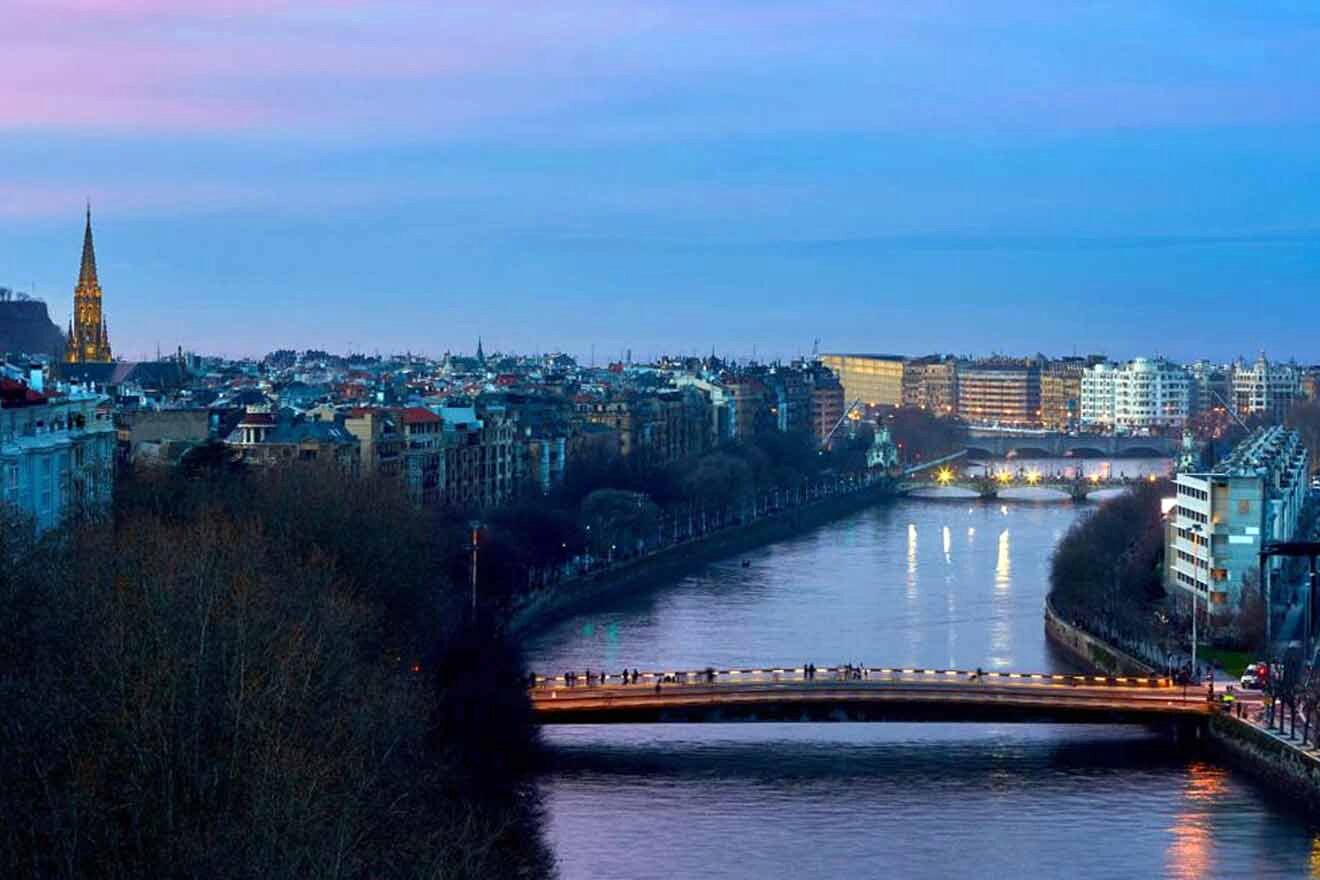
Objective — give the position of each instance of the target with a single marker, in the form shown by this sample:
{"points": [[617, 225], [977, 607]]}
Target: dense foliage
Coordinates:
{"points": [[921, 435], [1106, 570], [262, 676]]}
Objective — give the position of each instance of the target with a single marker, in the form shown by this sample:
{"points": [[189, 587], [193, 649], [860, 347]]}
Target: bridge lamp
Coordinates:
{"points": [[1033, 477], [944, 477], [1094, 478], [1004, 477]]}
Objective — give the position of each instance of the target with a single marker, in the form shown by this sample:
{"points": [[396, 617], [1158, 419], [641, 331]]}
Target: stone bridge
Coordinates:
{"points": [[982, 443]]}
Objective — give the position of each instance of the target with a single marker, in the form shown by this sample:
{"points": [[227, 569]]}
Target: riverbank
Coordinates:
{"points": [[554, 603], [1092, 652], [1271, 758]]}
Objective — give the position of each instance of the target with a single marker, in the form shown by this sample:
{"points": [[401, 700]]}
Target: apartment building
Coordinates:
{"points": [[1222, 518], [1000, 392], [57, 451], [1144, 394]]}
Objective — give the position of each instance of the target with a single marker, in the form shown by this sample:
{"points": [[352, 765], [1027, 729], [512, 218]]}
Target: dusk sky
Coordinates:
{"points": [[1015, 176]]}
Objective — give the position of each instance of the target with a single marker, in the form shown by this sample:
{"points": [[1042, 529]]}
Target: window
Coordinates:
{"points": [[45, 475]]}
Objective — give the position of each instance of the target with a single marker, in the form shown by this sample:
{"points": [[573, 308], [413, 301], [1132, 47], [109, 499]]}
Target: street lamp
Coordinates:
{"points": [[475, 525], [1197, 529]]}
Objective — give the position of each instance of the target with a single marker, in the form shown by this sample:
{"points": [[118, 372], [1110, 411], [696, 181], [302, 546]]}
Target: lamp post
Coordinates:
{"points": [[1196, 586], [475, 525]]}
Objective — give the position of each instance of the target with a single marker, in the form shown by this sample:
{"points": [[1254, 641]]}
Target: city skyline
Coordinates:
{"points": [[315, 175]]}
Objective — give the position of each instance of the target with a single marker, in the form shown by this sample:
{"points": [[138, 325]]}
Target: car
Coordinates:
{"points": [[1255, 676]]}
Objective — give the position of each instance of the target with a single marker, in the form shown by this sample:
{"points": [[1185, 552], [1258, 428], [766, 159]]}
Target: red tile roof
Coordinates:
{"points": [[15, 394], [416, 415]]}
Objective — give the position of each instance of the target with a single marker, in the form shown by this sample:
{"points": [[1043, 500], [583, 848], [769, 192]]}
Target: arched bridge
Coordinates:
{"points": [[847, 693], [989, 486], [1005, 444]]}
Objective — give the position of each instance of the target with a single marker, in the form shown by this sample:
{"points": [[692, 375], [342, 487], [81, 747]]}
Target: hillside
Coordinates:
{"points": [[26, 328]]}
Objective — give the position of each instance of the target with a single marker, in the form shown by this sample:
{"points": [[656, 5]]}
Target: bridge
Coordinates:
{"points": [[848, 693], [1078, 488], [988, 443]]}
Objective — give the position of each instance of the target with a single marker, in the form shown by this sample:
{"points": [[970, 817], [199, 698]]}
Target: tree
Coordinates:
{"points": [[719, 480], [618, 520], [240, 688], [1304, 417], [1251, 614], [922, 436]]}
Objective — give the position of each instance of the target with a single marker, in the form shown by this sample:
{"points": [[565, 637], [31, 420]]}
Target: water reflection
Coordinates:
{"points": [[1001, 640], [975, 800], [912, 561], [1190, 851]]}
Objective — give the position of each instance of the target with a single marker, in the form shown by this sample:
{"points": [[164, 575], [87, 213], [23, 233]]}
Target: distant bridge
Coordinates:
{"points": [[985, 443], [863, 694], [989, 486]]}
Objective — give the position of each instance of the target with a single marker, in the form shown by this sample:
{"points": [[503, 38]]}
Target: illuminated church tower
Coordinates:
{"points": [[89, 341]]}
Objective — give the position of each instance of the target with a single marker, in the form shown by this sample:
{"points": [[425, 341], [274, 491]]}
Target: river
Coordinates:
{"points": [[947, 582]]}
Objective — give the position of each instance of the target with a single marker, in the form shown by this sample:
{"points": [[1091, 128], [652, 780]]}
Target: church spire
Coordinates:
{"points": [[481, 355], [87, 273], [89, 335]]}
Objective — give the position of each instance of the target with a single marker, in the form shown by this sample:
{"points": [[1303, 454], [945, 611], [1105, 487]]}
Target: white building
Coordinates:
{"points": [[1140, 395], [1222, 518], [1097, 408], [56, 451], [1265, 388]]}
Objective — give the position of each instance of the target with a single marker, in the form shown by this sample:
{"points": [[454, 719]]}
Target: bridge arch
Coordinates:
{"points": [[1087, 452], [1143, 452], [1029, 452]]}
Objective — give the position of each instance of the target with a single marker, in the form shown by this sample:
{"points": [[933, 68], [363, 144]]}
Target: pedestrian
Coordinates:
{"points": [[657, 687]]}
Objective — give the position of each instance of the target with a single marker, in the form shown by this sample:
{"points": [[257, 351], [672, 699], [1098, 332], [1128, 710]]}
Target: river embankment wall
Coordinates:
{"points": [[1270, 758], [1092, 652], [566, 598]]}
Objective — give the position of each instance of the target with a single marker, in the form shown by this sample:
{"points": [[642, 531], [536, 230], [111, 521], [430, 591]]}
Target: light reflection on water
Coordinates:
{"points": [[819, 801]]}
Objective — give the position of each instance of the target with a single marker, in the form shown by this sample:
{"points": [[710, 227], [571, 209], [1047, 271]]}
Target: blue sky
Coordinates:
{"points": [[967, 176]]}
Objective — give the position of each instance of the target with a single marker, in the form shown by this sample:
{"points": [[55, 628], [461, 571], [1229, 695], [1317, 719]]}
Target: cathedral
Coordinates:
{"points": [[89, 341]]}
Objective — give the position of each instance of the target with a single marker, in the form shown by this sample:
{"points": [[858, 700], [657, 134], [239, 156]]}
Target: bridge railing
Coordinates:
{"points": [[827, 675]]}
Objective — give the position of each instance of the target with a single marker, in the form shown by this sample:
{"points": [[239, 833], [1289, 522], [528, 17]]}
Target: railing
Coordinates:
{"points": [[832, 675]]}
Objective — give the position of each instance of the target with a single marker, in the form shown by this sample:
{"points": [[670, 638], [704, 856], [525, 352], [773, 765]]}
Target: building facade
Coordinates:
{"points": [[1061, 393], [931, 383], [1003, 393], [421, 452], [827, 403], [874, 379], [56, 452], [1265, 388], [267, 439], [1221, 519], [1141, 395]]}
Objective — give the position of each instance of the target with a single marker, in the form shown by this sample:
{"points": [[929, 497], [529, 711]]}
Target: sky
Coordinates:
{"points": [[747, 176]]}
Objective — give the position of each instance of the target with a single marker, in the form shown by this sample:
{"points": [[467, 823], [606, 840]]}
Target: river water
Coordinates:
{"points": [[947, 582]]}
